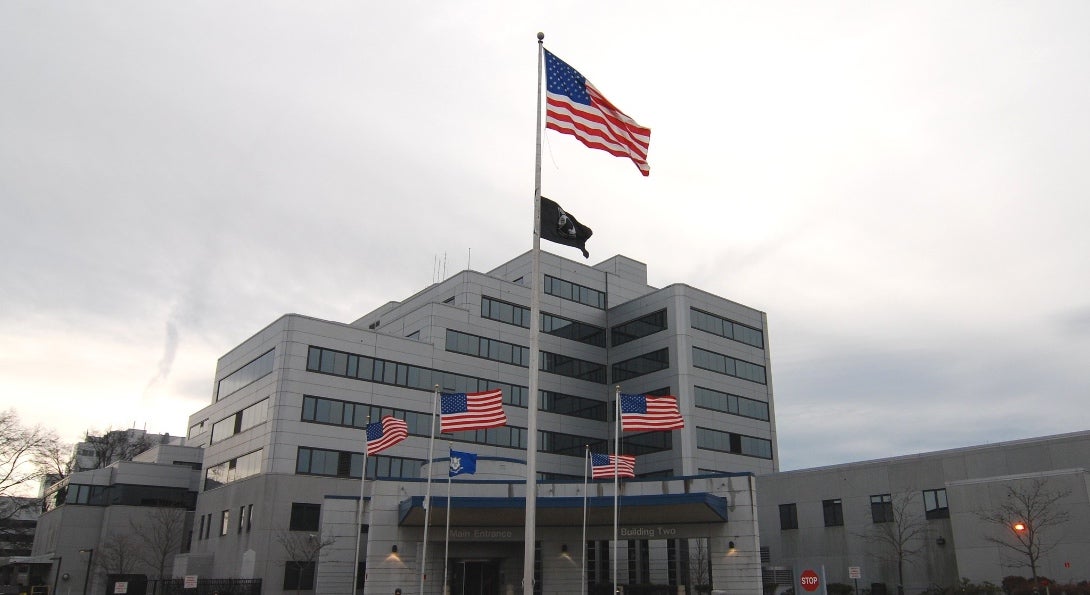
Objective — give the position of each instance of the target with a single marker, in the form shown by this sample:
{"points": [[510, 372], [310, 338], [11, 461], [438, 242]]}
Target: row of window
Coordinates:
{"points": [[641, 364], [254, 415], [717, 325], [575, 292], [551, 324], [728, 403], [717, 362], [638, 328], [245, 522], [733, 443], [228, 471], [370, 369], [881, 509], [119, 495], [245, 375], [509, 353], [339, 463]]}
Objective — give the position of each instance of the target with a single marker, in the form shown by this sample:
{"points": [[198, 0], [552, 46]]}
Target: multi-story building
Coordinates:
{"points": [[283, 437], [929, 519], [130, 517]]}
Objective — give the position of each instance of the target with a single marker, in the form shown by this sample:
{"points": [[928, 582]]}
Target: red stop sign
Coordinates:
{"points": [[809, 580]]}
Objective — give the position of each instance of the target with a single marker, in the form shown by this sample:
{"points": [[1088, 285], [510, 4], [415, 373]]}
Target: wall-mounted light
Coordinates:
{"points": [[393, 549], [941, 540], [564, 548], [730, 545]]}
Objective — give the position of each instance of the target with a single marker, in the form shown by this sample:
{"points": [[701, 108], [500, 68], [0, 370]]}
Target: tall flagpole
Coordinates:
{"points": [[530, 539], [359, 509], [446, 547], [616, 486], [427, 493], [583, 557]]}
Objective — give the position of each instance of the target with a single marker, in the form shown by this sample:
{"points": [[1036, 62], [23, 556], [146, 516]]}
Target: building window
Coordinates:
{"points": [[254, 415], [716, 325], [249, 517], [789, 516], [574, 292], [245, 375], [304, 517], [339, 463], [564, 328], [733, 443], [935, 505], [499, 351], [241, 518], [641, 364], [881, 508], [369, 369], [225, 522], [494, 309], [299, 575], [729, 366], [640, 327], [555, 402], [571, 367], [194, 429], [728, 403], [834, 512], [233, 470]]}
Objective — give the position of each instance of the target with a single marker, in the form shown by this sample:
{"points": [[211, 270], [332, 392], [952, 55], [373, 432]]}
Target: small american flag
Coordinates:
{"points": [[601, 466], [646, 412], [573, 106], [386, 433], [471, 411]]}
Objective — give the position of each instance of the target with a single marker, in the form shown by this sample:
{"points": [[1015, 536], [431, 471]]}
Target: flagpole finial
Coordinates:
{"points": [[540, 36]]}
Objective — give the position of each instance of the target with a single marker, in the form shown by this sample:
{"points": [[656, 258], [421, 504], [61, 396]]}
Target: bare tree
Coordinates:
{"points": [[118, 553], [301, 551], [20, 448], [897, 534], [1026, 516], [159, 537], [111, 446], [699, 565]]}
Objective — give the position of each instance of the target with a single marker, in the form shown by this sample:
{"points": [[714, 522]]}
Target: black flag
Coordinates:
{"points": [[558, 225]]}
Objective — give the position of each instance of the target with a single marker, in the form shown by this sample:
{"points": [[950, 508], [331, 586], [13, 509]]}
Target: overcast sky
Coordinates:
{"points": [[903, 187]]}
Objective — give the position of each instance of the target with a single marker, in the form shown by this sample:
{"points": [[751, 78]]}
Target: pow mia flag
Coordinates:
{"points": [[558, 225]]}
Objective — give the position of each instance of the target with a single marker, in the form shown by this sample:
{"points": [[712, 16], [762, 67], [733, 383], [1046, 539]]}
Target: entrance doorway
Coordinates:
{"points": [[475, 577]]}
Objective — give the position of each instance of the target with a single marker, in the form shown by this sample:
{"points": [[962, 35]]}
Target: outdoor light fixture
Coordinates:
{"points": [[393, 549], [941, 540], [1019, 526], [564, 548], [730, 545]]}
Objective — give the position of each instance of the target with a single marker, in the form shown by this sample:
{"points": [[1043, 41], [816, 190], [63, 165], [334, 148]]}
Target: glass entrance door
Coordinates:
{"points": [[475, 577]]}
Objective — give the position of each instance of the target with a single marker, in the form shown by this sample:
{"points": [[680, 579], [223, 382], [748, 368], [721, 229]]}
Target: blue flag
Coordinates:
{"points": [[462, 462]]}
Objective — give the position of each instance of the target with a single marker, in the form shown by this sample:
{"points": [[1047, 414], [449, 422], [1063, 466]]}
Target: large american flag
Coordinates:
{"points": [[471, 411], [601, 466], [647, 412], [573, 106], [386, 433]]}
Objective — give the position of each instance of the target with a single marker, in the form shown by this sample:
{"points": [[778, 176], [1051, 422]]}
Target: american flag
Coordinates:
{"points": [[471, 411], [386, 433], [647, 412], [601, 466], [573, 106]]}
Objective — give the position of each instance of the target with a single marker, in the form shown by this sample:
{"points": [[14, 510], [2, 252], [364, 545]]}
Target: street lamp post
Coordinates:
{"points": [[90, 554], [1022, 529]]}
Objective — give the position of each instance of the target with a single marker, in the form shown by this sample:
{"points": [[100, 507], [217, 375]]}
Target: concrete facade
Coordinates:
{"points": [[93, 515], [294, 456], [952, 541]]}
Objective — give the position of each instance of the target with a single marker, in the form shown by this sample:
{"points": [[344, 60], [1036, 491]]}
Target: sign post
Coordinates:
{"points": [[855, 573], [810, 579]]}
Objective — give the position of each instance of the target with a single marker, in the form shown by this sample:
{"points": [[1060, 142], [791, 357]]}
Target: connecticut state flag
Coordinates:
{"points": [[462, 462]]}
